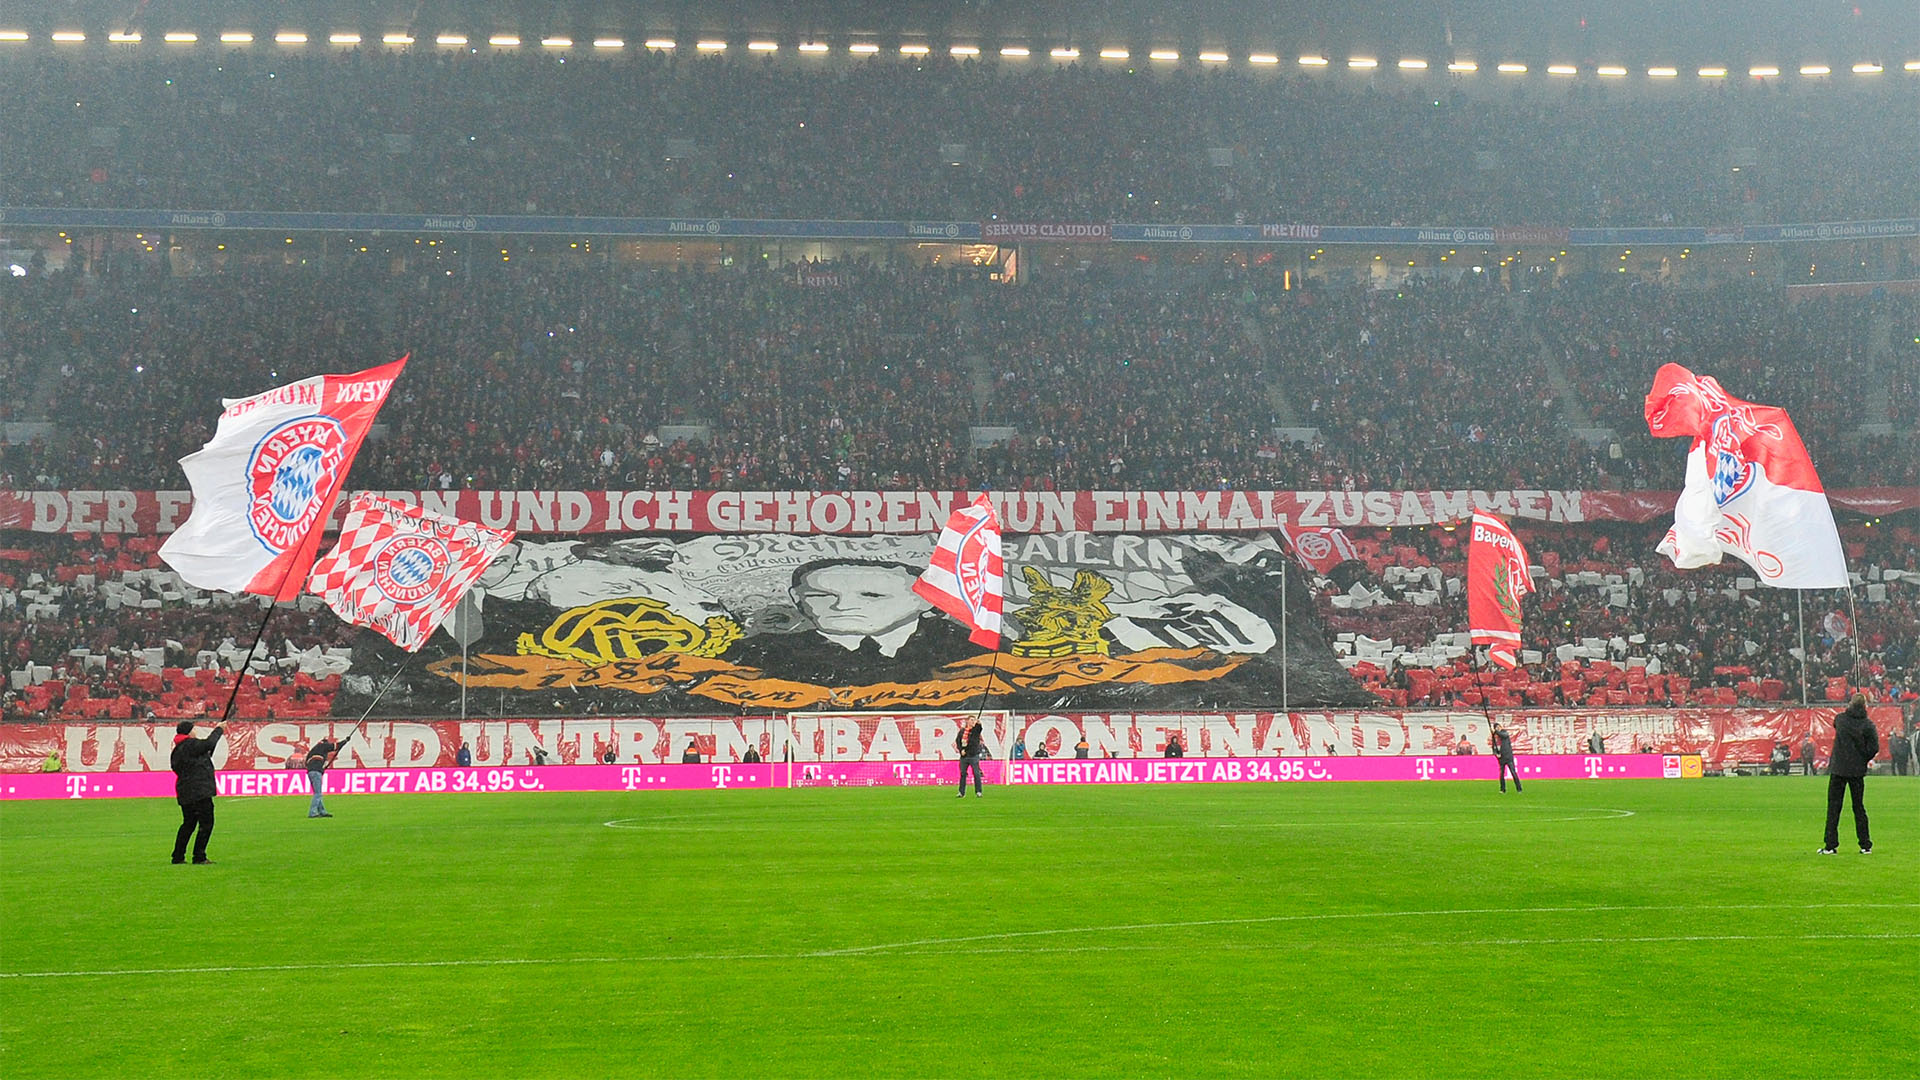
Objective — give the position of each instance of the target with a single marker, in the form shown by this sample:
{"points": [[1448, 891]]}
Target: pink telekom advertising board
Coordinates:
{"points": [[721, 777]]}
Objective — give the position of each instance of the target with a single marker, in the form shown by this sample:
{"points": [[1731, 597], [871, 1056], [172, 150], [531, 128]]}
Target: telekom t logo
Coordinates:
{"points": [[629, 777], [1424, 767], [76, 787], [721, 774], [903, 773], [1593, 767]]}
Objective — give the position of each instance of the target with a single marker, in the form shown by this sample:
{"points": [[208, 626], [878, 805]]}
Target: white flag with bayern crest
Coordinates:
{"points": [[265, 485]]}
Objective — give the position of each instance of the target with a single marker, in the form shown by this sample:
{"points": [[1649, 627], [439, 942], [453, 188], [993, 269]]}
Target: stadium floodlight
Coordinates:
{"points": [[710, 46], [1815, 69], [1511, 69], [1362, 62], [236, 37], [1313, 61], [396, 39], [1560, 69], [450, 39], [1911, 65], [1611, 71], [664, 44], [964, 50], [290, 37], [343, 39], [1064, 54], [864, 48], [75, 37], [813, 46], [503, 41], [1663, 73], [1262, 58], [1713, 73], [914, 50], [763, 46], [1462, 66], [1016, 50], [556, 43], [1114, 54], [1763, 71], [118, 37], [13, 35], [180, 37], [615, 43], [1413, 65], [1163, 54], [1867, 69]]}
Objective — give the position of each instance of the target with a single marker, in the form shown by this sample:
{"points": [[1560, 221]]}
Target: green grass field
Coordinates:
{"points": [[1599, 928]]}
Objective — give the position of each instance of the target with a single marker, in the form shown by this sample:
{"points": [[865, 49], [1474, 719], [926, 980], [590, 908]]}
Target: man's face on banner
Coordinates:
{"points": [[868, 600]]}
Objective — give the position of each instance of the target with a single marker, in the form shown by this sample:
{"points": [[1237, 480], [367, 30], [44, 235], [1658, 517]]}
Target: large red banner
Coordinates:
{"points": [[860, 512], [1722, 737]]}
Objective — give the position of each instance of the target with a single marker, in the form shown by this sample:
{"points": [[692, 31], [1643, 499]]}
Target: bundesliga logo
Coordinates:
{"points": [[408, 569], [285, 475]]}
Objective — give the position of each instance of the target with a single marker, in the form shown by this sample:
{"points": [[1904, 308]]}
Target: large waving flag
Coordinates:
{"points": [[1497, 577], [265, 485], [1751, 488], [401, 570], [1321, 548], [966, 578]]}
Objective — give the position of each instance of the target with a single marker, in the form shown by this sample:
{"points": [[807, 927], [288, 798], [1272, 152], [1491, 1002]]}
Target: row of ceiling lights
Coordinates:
{"points": [[509, 41]]}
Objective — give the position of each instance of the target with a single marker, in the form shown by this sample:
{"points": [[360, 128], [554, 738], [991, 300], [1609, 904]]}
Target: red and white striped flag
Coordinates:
{"points": [[1497, 577], [265, 484], [1751, 487], [966, 578], [1321, 548], [401, 570]]}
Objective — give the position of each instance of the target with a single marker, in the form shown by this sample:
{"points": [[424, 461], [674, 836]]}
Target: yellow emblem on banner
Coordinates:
{"points": [[630, 628], [1063, 622]]}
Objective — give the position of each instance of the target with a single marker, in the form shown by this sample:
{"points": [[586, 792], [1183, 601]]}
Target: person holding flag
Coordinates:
{"points": [[966, 578], [401, 570]]}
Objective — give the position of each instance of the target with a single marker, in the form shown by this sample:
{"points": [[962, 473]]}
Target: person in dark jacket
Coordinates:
{"points": [[319, 759], [193, 787], [1503, 751], [1855, 745], [972, 746], [1900, 748]]}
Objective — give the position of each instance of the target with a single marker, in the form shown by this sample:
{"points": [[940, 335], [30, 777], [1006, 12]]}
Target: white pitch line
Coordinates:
{"points": [[929, 945], [1581, 813]]}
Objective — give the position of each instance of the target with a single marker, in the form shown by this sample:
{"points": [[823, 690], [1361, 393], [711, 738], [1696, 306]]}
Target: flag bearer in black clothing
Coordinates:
{"points": [[1855, 744], [1503, 750], [193, 787], [971, 745]]}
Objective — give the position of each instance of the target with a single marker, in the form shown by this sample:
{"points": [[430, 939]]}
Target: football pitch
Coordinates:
{"points": [[1597, 928]]}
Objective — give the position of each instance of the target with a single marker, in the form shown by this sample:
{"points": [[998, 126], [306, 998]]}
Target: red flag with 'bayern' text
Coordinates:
{"points": [[401, 570], [966, 577], [1497, 577]]}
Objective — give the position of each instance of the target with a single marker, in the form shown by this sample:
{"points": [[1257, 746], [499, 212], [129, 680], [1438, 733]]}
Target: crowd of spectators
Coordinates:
{"points": [[873, 375], [931, 138], [1604, 597]]}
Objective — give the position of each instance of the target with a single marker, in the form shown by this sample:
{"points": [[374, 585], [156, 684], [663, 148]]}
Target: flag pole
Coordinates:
{"points": [[382, 692], [1283, 635], [1800, 616], [273, 601]]}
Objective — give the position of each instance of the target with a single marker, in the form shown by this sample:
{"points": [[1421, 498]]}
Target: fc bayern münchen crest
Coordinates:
{"points": [[286, 472], [1313, 547], [970, 567], [408, 569], [1732, 474]]}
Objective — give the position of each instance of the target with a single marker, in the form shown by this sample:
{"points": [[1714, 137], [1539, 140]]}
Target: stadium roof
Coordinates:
{"points": [[1579, 30]]}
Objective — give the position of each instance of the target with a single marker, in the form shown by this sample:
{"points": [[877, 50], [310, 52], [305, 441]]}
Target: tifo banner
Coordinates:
{"points": [[861, 512], [780, 623], [498, 781], [1721, 737]]}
